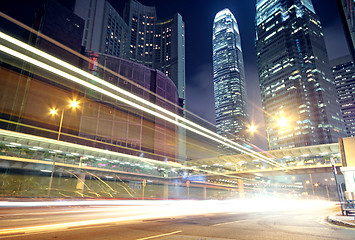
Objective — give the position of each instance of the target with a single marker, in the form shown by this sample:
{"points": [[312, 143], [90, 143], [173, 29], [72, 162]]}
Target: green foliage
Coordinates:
{"points": [[4, 148], [17, 185]]}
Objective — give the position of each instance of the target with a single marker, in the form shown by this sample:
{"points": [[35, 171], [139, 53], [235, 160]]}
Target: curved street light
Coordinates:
{"points": [[73, 104]]}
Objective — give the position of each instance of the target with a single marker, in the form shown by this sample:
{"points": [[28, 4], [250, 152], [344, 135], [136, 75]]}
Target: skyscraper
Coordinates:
{"points": [[344, 78], [347, 14], [228, 77], [159, 44], [105, 30], [137, 36], [294, 73]]}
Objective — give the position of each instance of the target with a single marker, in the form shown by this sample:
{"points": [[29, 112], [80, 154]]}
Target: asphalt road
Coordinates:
{"points": [[175, 220]]}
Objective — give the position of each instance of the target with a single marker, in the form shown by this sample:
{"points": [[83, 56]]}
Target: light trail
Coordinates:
{"points": [[92, 140], [98, 150], [7, 17], [143, 210], [82, 147], [219, 139]]}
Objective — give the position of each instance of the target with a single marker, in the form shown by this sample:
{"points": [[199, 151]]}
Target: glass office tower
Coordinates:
{"points": [[228, 78], [295, 77], [344, 78], [347, 14]]}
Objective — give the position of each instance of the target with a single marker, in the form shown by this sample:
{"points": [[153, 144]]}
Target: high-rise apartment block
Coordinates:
{"points": [[105, 30], [344, 79], [137, 36], [295, 76], [229, 78]]}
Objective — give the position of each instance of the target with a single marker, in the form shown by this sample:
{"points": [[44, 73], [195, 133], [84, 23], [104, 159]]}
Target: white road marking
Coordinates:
{"points": [[161, 235], [228, 222]]}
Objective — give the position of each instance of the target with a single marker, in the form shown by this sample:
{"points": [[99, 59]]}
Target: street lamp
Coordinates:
{"points": [[73, 104], [281, 122], [252, 128]]}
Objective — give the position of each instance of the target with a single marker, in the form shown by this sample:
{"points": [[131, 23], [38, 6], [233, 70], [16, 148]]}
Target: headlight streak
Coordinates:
{"points": [[225, 141], [141, 210]]}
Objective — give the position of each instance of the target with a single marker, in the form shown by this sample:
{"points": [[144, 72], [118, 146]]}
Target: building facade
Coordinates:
{"points": [[114, 122], [347, 13], [344, 78], [105, 30], [229, 78], [137, 36], [295, 76]]}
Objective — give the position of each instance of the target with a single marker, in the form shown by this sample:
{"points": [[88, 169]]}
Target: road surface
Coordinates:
{"points": [[248, 219]]}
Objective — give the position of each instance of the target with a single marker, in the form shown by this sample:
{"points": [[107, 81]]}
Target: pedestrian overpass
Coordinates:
{"points": [[25, 151], [301, 160]]}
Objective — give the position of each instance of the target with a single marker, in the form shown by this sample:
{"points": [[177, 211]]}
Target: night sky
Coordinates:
{"points": [[198, 16]]}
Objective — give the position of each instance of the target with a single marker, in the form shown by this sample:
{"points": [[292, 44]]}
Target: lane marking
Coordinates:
{"points": [[161, 235], [229, 222]]}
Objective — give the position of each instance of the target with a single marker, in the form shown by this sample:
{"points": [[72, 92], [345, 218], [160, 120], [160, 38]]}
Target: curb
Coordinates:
{"points": [[332, 220]]}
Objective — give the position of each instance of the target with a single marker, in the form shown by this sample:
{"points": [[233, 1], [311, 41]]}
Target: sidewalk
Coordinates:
{"points": [[339, 219]]}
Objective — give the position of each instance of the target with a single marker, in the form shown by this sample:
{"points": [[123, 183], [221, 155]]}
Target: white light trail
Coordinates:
{"points": [[219, 139], [143, 210]]}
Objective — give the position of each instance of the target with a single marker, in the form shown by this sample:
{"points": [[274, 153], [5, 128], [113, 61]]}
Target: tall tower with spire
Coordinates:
{"points": [[229, 78]]}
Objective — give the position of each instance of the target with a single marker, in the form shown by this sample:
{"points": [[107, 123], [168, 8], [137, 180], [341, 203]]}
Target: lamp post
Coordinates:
{"points": [[268, 138], [281, 122], [73, 104], [311, 180]]}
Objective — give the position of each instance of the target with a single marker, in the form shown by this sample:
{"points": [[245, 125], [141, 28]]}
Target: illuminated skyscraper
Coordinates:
{"points": [[138, 36], [294, 73], [344, 78], [228, 77], [347, 14]]}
